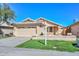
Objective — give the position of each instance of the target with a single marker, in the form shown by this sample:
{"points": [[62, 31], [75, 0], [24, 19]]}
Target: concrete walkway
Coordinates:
{"points": [[12, 41], [8, 51]]}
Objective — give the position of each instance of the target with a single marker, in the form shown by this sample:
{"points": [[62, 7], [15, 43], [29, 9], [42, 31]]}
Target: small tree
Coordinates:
{"points": [[68, 30], [6, 14]]}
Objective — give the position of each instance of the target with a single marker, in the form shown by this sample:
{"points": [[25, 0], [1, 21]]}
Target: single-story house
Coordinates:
{"points": [[6, 30], [38, 27], [73, 28]]}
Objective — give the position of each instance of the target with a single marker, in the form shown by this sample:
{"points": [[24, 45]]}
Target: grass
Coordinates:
{"points": [[39, 44]]}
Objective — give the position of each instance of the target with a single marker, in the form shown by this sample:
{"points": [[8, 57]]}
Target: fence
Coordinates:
{"points": [[57, 37]]}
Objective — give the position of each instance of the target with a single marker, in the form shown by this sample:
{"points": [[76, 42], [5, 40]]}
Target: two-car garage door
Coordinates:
{"points": [[25, 32]]}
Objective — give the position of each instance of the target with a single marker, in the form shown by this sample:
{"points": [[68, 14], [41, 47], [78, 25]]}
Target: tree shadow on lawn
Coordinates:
{"points": [[41, 41]]}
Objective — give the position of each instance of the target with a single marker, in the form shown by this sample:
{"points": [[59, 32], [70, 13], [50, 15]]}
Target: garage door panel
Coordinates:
{"points": [[26, 32]]}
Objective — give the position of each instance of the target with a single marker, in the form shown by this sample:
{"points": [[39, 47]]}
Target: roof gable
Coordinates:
{"points": [[76, 23], [28, 20], [48, 21]]}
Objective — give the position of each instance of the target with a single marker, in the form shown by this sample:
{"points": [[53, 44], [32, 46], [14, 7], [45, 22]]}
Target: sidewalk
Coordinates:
{"points": [[8, 51]]}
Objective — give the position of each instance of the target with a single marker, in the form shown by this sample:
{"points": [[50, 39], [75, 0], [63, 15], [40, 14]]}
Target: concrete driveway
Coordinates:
{"points": [[12, 41]]}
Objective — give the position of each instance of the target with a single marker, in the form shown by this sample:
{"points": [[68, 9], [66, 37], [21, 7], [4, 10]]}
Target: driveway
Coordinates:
{"points": [[12, 41], [9, 51]]}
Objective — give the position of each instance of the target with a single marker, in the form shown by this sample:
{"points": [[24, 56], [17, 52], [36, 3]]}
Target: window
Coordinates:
{"points": [[52, 29], [49, 29]]}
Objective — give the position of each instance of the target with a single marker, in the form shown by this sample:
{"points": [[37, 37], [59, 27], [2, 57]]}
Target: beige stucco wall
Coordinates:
{"points": [[75, 29], [24, 32], [32, 31], [49, 24], [59, 30], [46, 23], [40, 30]]}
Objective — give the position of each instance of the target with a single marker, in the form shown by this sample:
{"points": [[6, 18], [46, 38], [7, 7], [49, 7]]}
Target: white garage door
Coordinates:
{"points": [[25, 32]]}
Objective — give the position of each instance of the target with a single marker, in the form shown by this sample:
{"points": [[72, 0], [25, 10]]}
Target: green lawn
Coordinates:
{"points": [[39, 44]]}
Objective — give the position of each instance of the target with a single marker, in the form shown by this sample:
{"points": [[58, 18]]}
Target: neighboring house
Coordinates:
{"points": [[37, 28], [73, 28], [6, 30]]}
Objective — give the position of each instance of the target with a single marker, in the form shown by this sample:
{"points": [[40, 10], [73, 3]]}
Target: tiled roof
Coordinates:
{"points": [[51, 22], [74, 24], [29, 25], [35, 23], [11, 27]]}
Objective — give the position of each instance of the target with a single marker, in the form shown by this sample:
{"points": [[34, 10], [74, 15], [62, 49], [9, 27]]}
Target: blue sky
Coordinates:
{"points": [[58, 12]]}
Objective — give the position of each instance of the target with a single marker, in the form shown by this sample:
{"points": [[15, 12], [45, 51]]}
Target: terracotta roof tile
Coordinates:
{"points": [[29, 25]]}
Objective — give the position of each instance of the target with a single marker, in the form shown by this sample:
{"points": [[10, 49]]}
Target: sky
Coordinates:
{"points": [[61, 13]]}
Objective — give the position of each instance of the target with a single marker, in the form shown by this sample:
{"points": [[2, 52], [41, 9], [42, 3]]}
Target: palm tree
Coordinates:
{"points": [[6, 14]]}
